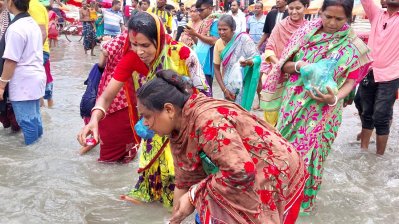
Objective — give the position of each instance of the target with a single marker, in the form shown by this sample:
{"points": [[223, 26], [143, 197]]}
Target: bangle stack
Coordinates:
{"points": [[101, 109], [335, 103]]}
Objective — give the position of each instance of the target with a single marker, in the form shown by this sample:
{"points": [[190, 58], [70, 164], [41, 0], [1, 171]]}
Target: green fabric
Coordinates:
{"points": [[251, 79], [228, 47], [310, 126]]}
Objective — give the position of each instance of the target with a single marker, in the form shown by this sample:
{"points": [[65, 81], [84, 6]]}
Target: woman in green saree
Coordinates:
{"points": [[236, 58], [307, 121]]}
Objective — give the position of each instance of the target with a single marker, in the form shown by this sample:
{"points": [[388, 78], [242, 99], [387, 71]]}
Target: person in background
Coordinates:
{"points": [[145, 5], [182, 20], [194, 23], [171, 9], [378, 90], [239, 17], [52, 28], [89, 35], [7, 116], [272, 18], [255, 23], [128, 7], [39, 13], [165, 15], [23, 69], [205, 37], [113, 20], [55, 6], [278, 39], [257, 176], [230, 49], [150, 49], [99, 23], [307, 121]]}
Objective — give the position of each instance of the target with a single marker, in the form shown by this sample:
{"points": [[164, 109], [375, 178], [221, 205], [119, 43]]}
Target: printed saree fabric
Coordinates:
{"points": [[311, 126], [260, 174], [156, 180], [241, 46]]}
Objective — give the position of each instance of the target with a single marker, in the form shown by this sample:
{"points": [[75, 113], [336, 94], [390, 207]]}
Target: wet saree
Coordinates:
{"points": [[156, 171], [311, 126], [261, 176], [241, 46]]}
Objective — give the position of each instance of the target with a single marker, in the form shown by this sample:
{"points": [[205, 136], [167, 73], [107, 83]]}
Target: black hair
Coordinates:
{"points": [[169, 7], [304, 2], [148, 1], [115, 2], [144, 23], [181, 4], [21, 5], [136, 1], [260, 3], [199, 3], [167, 87], [229, 20], [346, 4]]}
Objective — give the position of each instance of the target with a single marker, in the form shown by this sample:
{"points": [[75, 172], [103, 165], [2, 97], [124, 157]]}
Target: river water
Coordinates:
{"points": [[49, 182]]}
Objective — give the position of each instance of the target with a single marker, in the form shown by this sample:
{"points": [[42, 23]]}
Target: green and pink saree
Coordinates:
{"points": [[311, 126]]}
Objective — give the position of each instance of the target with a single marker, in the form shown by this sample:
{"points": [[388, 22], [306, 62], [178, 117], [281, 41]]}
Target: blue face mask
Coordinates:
{"points": [[143, 131]]}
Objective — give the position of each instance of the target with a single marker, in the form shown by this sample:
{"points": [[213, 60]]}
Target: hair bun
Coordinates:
{"points": [[182, 83]]}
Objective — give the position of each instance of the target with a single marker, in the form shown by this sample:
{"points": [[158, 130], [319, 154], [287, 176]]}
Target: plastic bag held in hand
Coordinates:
{"points": [[320, 75], [143, 131]]}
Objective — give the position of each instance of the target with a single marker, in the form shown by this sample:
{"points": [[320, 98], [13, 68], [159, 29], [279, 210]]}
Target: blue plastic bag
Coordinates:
{"points": [[143, 131], [320, 75]]}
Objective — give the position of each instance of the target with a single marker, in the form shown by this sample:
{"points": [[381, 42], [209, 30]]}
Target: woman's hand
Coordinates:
{"points": [[90, 128], [183, 209], [328, 98], [229, 95], [247, 62]]}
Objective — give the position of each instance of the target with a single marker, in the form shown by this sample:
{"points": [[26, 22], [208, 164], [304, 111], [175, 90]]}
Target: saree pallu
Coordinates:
{"points": [[311, 126], [278, 39], [156, 170], [89, 36], [241, 46]]}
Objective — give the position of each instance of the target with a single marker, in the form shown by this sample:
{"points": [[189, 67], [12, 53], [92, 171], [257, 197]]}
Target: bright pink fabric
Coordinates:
{"points": [[383, 41]]}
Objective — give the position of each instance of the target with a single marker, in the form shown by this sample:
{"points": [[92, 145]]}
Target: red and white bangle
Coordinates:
{"points": [[101, 109]]}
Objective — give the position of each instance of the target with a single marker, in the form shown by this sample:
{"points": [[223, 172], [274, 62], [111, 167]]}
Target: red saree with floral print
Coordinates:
{"points": [[261, 176]]}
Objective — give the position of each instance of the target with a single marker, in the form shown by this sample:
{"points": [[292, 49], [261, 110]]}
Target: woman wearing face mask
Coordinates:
{"points": [[279, 38], [150, 50], [234, 167], [233, 51], [311, 122]]}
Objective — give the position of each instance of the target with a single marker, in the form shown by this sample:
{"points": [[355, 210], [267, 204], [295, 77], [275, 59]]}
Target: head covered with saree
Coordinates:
{"points": [[260, 174], [303, 46], [158, 51]]}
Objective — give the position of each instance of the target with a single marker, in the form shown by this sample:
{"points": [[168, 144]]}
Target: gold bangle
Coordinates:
{"points": [[101, 109]]}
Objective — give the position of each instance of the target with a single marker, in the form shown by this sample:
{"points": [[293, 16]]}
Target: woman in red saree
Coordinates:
{"points": [[259, 177], [123, 146]]}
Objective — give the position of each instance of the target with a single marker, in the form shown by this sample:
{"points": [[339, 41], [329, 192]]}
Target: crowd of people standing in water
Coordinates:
{"points": [[197, 153]]}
